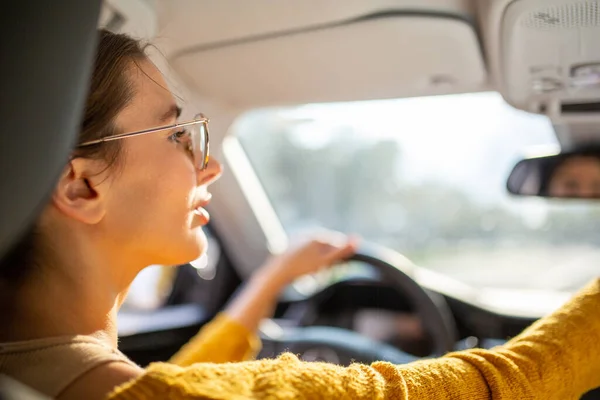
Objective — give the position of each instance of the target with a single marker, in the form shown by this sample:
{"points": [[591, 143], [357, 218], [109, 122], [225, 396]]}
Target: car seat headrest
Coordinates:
{"points": [[47, 50]]}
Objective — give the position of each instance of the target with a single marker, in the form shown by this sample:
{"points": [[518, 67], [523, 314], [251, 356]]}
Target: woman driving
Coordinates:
{"points": [[133, 194]]}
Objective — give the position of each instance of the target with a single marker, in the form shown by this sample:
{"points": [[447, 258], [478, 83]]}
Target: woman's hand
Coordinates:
{"points": [[259, 296], [309, 257]]}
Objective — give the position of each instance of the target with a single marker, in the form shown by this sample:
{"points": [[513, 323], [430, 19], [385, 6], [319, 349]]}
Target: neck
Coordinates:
{"points": [[63, 308], [79, 293]]}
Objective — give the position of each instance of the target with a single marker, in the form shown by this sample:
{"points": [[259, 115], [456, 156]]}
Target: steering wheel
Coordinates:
{"points": [[342, 346]]}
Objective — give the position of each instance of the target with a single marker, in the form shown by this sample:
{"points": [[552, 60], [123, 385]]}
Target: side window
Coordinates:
{"points": [[150, 288], [153, 287]]}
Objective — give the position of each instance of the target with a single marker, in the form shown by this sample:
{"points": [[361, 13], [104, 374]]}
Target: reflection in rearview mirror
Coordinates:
{"points": [[573, 175]]}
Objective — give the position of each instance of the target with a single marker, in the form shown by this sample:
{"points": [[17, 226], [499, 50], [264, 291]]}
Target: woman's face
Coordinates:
{"points": [[577, 177], [154, 205]]}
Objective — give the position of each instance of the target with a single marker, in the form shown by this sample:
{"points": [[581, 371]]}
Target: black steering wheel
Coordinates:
{"points": [[342, 346], [396, 270]]}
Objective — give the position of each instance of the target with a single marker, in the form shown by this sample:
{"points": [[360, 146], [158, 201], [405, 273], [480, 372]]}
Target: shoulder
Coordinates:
{"points": [[100, 381]]}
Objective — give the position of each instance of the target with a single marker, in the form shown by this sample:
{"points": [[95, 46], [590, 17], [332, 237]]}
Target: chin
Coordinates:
{"points": [[183, 250], [195, 247]]}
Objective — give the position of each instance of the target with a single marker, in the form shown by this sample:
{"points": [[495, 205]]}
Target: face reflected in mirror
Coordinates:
{"points": [[576, 177], [572, 175]]}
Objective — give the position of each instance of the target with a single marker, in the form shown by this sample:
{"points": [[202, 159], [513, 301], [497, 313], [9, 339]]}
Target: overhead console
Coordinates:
{"points": [[326, 51], [549, 57]]}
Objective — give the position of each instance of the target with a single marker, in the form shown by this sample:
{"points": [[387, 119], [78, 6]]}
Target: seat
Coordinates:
{"points": [[11, 389], [48, 50]]}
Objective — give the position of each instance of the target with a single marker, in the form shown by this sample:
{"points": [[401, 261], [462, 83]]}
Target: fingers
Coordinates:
{"points": [[339, 253]]}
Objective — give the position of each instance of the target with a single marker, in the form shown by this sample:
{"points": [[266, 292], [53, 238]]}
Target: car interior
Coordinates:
{"points": [[460, 139]]}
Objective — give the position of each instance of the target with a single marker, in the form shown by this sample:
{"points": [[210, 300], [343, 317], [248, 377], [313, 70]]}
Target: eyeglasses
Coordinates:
{"points": [[196, 132]]}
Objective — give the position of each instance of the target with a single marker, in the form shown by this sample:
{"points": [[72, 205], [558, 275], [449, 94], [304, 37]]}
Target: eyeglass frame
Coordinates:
{"points": [[198, 119]]}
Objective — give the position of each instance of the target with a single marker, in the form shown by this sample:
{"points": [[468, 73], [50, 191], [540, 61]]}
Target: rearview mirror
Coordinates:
{"points": [[572, 175]]}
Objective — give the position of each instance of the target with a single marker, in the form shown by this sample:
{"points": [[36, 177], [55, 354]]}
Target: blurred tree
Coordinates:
{"points": [[350, 182]]}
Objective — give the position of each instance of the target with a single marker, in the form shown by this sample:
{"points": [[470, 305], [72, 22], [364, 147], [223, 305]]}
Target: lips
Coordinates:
{"points": [[199, 210], [203, 202]]}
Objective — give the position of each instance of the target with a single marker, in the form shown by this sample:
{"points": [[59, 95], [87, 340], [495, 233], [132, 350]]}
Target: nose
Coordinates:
{"points": [[213, 171]]}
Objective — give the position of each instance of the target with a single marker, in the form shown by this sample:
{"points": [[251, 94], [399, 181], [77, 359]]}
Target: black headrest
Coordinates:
{"points": [[47, 49]]}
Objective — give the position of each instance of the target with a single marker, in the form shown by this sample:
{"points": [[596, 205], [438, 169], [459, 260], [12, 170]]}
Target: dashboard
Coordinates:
{"points": [[401, 329], [377, 311]]}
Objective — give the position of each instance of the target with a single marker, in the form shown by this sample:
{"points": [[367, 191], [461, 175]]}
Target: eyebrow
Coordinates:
{"points": [[173, 113]]}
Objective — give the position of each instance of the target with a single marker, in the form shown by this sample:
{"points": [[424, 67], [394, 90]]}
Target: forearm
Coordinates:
{"points": [[232, 335], [556, 358], [257, 299], [222, 340], [287, 377], [567, 343]]}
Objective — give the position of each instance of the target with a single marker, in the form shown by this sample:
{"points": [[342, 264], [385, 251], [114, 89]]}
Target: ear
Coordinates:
{"points": [[81, 191]]}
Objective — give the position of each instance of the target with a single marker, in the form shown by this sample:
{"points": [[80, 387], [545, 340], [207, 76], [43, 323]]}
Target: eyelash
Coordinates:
{"points": [[177, 136]]}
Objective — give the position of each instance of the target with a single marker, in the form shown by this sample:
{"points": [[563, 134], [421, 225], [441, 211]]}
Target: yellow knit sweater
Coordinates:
{"points": [[558, 357]]}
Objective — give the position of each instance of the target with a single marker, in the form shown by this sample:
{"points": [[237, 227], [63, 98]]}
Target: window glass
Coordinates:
{"points": [[427, 177]]}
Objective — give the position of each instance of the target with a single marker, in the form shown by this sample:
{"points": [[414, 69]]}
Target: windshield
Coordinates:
{"points": [[426, 177]]}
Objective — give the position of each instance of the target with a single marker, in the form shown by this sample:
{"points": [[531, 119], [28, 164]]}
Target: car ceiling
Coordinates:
{"points": [[238, 55], [273, 53]]}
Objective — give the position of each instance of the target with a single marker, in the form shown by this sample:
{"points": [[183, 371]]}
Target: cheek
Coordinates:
{"points": [[151, 206]]}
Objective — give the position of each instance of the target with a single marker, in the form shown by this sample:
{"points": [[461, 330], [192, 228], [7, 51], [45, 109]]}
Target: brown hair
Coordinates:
{"points": [[110, 91]]}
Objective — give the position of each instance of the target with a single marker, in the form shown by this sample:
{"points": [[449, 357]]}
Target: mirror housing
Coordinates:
{"points": [[568, 175]]}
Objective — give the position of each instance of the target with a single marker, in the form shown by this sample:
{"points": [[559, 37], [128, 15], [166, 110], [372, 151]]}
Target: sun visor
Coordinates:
{"points": [[375, 57]]}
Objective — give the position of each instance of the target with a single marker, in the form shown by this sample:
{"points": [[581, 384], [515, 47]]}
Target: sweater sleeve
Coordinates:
{"points": [[221, 340], [558, 357]]}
